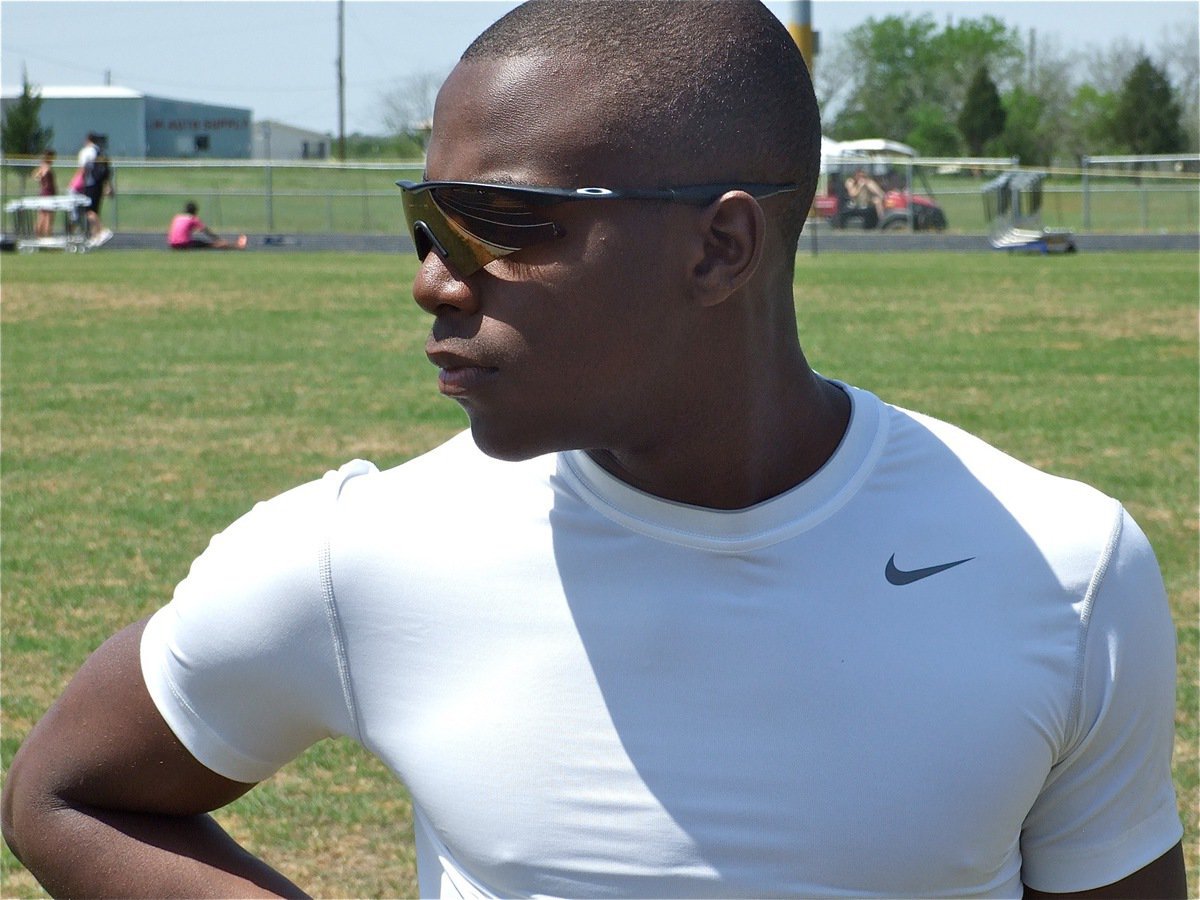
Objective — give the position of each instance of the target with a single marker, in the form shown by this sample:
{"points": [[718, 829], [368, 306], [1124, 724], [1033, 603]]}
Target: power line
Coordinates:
{"points": [[154, 80]]}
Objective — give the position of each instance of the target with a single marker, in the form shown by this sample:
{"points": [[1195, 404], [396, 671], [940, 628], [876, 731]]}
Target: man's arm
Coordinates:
{"points": [[102, 798], [1163, 879]]}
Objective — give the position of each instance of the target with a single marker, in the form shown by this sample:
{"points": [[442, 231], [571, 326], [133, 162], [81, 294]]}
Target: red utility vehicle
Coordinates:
{"points": [[891, 205]]}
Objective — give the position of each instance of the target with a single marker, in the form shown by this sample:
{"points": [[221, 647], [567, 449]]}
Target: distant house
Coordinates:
{"points": [[274, 140], [139, 126]]}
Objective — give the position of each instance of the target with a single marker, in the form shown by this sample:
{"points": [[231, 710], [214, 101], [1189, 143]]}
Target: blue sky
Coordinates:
{"points": [[278, 58]]}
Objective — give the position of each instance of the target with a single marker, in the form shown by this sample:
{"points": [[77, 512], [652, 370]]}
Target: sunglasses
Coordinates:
{"points": [[468, 225]]}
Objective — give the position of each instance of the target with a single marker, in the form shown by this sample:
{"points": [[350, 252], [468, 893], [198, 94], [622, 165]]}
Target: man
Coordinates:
{"points": [[865, 191], [696, 621], [94, 180]]}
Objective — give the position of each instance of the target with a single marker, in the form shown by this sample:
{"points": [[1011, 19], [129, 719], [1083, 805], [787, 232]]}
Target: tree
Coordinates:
{"points": [[905, 67], [892, 56], [1147, 116], [982, 116], [1052, 76], [1024, 135], [1179, 56], [391, 146], [1087, 127], [962, 47], [408, 108], [1109, 66], [833, 78], [933, 132], [21, 132]]}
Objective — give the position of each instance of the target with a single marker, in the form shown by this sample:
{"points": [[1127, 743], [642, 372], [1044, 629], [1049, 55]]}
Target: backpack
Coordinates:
{"points": [[101, 171]]}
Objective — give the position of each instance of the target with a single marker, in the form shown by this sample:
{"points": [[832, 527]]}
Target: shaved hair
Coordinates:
{"points": [[692, 91]]}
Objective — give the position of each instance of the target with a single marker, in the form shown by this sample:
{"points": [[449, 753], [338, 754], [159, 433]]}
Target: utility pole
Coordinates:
{"points": [[341, 79], [802, 31], [1033, 86]]}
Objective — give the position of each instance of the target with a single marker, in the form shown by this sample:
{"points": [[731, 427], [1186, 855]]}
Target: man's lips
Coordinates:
{"points": [[458, 374], [464, 379]]}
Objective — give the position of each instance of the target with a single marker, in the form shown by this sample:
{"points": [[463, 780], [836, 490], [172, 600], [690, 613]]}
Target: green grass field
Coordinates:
{"points": [[151, 398]]}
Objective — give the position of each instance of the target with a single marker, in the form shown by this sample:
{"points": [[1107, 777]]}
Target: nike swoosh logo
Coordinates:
{"points": [[901, 577]]}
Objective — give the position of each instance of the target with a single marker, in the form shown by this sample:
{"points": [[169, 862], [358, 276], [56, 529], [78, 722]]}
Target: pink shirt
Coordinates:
{"points": [[182, 226]]}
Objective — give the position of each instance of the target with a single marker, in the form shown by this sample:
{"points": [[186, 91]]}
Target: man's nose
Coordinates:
{"points": [[438, 290]]}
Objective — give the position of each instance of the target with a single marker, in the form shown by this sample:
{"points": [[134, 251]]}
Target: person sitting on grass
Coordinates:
{"points": [[188, 232]]}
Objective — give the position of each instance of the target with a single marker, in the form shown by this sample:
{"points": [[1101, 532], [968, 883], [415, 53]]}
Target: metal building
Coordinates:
{"points": [[139, 126], [275, 140]]}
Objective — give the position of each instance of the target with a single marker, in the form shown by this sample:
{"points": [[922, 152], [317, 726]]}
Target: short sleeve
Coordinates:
{"points": [[1108, 807], [245, 663]]}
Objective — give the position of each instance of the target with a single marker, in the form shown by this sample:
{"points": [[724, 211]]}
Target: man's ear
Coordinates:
{"points": [[731, 234]]}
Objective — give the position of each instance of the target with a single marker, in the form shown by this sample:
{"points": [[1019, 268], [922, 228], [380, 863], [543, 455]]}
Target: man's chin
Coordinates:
{"points": [[509, 444]]}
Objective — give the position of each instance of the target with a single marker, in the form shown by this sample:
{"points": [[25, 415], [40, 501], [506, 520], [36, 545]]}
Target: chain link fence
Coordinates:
{"points": [[1104, 195]]}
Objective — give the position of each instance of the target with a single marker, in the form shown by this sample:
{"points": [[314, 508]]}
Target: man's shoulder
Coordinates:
{"points": [[455, 472], [966, 454], [447, 475], [970, 482]]}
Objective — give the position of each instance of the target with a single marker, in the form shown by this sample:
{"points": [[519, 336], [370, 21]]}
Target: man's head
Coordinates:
{"points": [[190, 208], [614, 331], [684, 92]]}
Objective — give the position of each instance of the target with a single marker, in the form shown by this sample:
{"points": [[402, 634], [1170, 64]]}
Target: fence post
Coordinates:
{"points": [[909, 175], [366, 200], [270, 199], [1087, 197], [1144, 206]]}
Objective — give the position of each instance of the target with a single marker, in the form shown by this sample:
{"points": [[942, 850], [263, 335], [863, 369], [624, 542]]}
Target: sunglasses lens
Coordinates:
{"points": [[468, 226], [512, 219], [431, 230]]}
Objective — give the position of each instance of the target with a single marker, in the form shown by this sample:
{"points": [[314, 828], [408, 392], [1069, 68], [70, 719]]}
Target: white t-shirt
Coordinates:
{"points": [[87, 157], [928, 670]]}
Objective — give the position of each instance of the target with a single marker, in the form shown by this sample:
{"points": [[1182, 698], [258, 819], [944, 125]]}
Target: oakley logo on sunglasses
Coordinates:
{"points": [[469, 225]]}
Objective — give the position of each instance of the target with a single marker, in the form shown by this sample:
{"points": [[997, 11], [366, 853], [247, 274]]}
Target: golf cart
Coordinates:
{"points": [[887, 201]]}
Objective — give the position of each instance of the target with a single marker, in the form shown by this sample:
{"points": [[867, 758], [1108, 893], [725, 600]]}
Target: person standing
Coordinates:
{"points": [[93, 179], [677, 616], [86, 156], [47, 187]]}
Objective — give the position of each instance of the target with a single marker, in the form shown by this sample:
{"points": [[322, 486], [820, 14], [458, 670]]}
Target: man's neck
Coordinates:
{"points": [[740, 454]]}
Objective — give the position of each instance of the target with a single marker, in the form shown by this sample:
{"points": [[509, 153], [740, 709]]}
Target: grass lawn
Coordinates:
{"points": [[150, 398]]}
